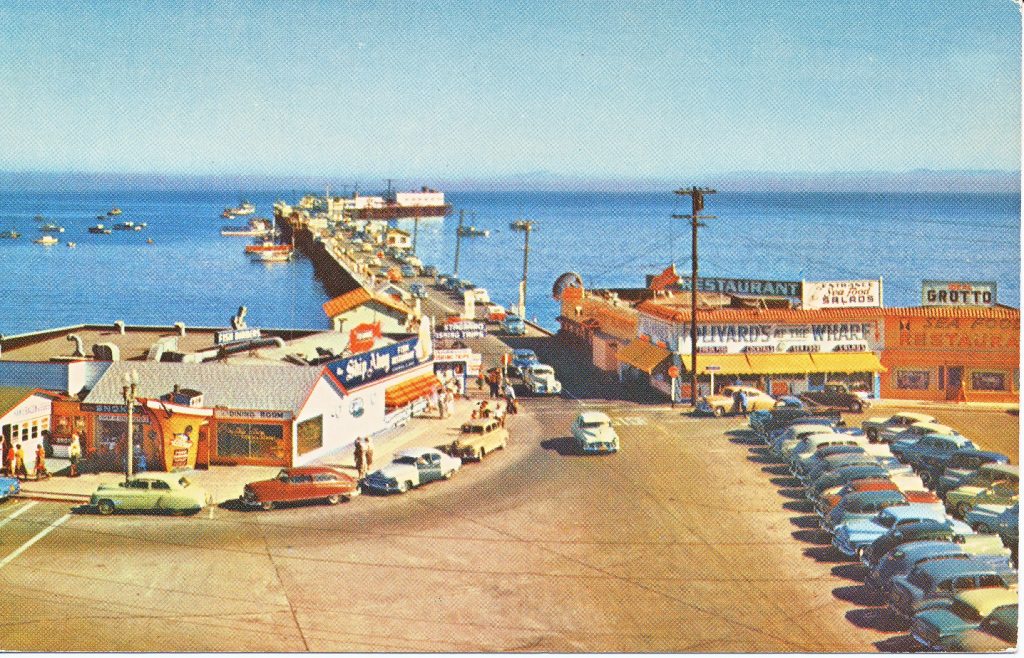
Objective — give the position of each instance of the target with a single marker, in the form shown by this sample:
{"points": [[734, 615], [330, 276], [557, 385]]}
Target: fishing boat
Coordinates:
{"points": [[244, 208], [270, 252], [114, 212], [39, 218], [46, 240], [149, 240], [100, 229], [473, 232], [50, 227], [127, 226], [10, 235], [257, 227], [72, 245]]}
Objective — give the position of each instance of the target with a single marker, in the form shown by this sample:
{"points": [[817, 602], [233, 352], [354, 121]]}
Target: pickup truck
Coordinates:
{"points": [[837, 397]]}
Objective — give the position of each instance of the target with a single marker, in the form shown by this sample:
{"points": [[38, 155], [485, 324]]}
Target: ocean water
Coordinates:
{"points": [[193, 274]]}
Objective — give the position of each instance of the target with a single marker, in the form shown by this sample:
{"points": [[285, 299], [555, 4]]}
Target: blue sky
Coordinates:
{"points": [[470, 88]]}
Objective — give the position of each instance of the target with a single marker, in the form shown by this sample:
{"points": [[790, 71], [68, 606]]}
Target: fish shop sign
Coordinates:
{"points": [[367, 367], [958, 293]]}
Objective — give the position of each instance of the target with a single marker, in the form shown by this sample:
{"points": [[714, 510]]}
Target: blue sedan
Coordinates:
{"points": [[9, 487]]}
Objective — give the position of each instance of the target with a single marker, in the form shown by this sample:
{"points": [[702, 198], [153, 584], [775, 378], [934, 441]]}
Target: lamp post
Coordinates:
{"points": [[129, 389]]}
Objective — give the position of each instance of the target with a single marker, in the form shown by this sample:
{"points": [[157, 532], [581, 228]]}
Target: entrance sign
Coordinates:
{"points": [[842, 294], [958, 293]]}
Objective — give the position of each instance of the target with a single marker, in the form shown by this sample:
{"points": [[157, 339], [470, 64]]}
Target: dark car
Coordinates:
{"points": [[930, 452], [924, 531], [903, 559], [835, 396], [934, 584], [861, 505], [841, 476], [301, 484], [962, 465], [773, 430], [786, 407]]}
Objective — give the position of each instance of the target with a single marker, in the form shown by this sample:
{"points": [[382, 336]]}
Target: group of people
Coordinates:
{"points": [[443, 399], [14, 462], [363, 455], [496, 410]]}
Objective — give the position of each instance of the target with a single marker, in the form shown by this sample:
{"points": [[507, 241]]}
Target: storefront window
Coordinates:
{"points": [[988, 381], [311, 434], [916, 380], [255, 440]]}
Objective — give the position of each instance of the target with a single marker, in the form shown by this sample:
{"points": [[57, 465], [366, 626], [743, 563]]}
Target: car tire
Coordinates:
{"points": [[449, 475], [872, 435], [856, 407], [480, 454], [333, 499], [718, 412], [404, 486], [105, 507], [982, 529], [267, 505]]}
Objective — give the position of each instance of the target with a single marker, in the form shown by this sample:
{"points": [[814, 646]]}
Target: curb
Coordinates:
{"points": [[54, 497]]}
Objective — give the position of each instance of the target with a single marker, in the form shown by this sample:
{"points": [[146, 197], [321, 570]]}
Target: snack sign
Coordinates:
{"points": [[842, 294]]}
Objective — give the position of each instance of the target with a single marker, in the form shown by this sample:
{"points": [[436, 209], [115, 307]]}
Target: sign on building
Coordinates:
{"points": [[958, 293], [767, 338], [235, 336], [753, 287], [842, 294], [367, 367]]}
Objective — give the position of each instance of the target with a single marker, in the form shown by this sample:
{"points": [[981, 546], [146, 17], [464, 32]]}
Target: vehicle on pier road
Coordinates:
{"points": [[540, 380], [166, 492], [935, 629], [521, 360], [836, 396], [962, 466], [418, 291], [299, 485], [593, 433], [478, 438], [513, 325], [723, 402], [412, 468]]}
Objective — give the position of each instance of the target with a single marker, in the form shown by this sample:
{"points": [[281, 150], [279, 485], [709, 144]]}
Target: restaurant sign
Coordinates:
{"points": [[754, 287], [958, 293], [756, 338], [842, 294], [360, 369]]}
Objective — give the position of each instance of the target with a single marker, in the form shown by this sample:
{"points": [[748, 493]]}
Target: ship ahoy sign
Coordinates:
{"points": [[842, 294]]}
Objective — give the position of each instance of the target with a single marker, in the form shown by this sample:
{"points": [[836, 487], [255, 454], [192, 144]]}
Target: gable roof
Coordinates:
{"points": [[272, 387], [346, 302]]}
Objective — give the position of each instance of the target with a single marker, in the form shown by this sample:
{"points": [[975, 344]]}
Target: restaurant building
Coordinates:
{"points": [[24, 420]]}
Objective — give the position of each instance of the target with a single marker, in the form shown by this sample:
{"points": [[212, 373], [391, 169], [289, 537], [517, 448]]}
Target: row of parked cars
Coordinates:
{"points": [[931, 516], [538, 378]]}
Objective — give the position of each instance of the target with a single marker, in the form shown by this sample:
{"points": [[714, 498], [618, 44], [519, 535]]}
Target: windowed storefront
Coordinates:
{"points": [[241, 440]]}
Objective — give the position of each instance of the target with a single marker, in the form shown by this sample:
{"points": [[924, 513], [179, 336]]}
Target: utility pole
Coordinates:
{"points": [[526, 227], [697, 198], [458, 240], [415, 230]]}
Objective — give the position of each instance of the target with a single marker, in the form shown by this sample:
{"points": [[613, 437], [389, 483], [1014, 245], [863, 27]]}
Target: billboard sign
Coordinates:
{"points": [[753, 287], [842, 294], [366, 367], [958, 293]]}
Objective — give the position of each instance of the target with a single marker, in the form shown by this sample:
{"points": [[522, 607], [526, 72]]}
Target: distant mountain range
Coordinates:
{"points": [[918, 180]]}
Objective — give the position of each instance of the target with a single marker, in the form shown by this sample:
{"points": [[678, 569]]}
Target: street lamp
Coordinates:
{"points": [[129, 389]]}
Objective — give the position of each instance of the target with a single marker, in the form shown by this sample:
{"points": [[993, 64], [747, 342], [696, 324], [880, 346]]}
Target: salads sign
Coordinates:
{"points": [[958, 293], [367, 367], [842, 294]]}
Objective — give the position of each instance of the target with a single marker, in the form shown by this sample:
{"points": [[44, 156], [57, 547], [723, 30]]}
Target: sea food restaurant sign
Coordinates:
{"points": [[753, 287], [360, 369], [958, 293], [842, 294]]}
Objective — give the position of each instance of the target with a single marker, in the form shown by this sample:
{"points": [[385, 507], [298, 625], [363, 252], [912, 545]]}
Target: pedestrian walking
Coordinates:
{"points": [[368, 452], [743, 402], [360, 458], [74, 452], [499, 414], [20, 471], [513, 406], [480, 380], [3, 456], [442, 404], [510, 392], [493, 379], [41, 471], [449, 397], [12, 462]]}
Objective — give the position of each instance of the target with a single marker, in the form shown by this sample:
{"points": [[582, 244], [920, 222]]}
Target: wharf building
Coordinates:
{"points": [[791, 337]]}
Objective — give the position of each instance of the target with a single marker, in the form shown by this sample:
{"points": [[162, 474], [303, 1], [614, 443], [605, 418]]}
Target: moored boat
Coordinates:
{"points": [[257, 227], [270, 252], [46, 240], [114, 212], [50, 227], [127, 226], [100, 229], [244, 208], [10, 235], [72, 245], [473, 232]]}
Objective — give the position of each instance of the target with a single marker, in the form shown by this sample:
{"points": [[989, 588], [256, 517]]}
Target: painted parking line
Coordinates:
{"points": [[24, 547], [21, 510]]}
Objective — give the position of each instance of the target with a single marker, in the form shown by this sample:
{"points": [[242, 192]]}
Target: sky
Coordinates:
{"points": [[447, 89]]}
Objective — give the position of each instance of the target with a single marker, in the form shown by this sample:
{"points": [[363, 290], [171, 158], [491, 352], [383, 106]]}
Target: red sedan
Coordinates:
{"points": [[301, 484]]}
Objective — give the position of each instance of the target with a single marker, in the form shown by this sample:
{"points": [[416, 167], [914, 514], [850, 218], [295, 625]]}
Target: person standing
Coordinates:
{"points": [[3, 456], [12, 461], [493, 380], [41, 471], [74, 452], [442, 404], [500, 413], [360, 458], [743, 402], [368, 452], [449, 397], [21, 471]]}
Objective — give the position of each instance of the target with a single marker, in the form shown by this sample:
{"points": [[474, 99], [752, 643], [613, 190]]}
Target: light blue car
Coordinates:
{"points": [[9, 487], [853, 537], [418, 291], [521, 360], [513, 325]]}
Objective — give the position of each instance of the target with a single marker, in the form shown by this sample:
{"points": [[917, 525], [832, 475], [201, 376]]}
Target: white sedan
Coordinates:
{"points": [[540, 378], [411, 468], [593, 433]]}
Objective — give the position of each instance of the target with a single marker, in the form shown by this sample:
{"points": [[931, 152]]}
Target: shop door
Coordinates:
{"points": [[203, 447], [954, 382]]}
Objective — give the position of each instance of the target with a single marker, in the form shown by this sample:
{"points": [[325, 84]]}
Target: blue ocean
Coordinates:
{"points": [[190, 273]]}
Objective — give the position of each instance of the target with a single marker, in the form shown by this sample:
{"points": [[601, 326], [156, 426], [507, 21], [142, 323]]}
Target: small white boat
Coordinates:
{"points": [[258, 227], [270, 252], [46, 240], [114, 212], [72, 245], [244, 208]]}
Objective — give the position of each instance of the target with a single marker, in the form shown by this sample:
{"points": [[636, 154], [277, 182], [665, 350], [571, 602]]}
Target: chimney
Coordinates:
{"points": [[79, 348], [119, 325], [180, 326]]}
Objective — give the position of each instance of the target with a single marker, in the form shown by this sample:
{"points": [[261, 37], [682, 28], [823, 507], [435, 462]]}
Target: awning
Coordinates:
{"points": [[847, 362], [784, 363], [728, 364], [409, 390], [642, 355]]}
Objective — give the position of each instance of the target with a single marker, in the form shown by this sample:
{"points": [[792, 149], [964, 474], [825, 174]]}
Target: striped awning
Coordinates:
{"points": [[643, 355], [411, 389], [722, 364], [783, 363], [847, 362]]}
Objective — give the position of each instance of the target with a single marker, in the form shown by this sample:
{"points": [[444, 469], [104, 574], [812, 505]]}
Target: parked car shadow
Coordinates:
{"points": [[235, 505], [786, 482], [795, 494], [879, 619], [84, 509], [859, 595], [855, 571], [800, 506], [899, 644], [762, 458], [826, 554], [745, 440], [818, 537], [563, 445], [776, 470]]}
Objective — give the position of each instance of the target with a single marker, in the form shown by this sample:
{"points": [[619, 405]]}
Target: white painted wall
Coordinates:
{"points": [[36, 409], [342, 422]]}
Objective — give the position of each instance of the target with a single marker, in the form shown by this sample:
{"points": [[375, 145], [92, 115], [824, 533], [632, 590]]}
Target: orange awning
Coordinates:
{"points": [[721, 364], [411, 389], [847, 362], [642, 355], [781, 363]]}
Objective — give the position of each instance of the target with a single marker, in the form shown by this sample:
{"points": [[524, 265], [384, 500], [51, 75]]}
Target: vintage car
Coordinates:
{"points": [[418, 291], [521, 360], [408, 271], [1008, 528], [959, 501], [934, 584], [786, 407], [430, 270], [862, 505], [929, 530], [478, 438], [166, 492], [785, 434], [540, 379], [9, 487], [986, 518], [807, 465], [903, 559], [930, 451], [513, 325], [986, 476], [593, 433], [886, 428], [961, 466], [917, 431], [828, 501], [793, 436], [836, 396], [723, 402], [836, 462], [997, 632], [301, 484], [852, 538], [841, 477], [934, 628], [410, 468]]}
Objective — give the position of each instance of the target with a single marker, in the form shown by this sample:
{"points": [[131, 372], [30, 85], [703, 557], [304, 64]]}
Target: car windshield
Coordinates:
{"points": [[593, 425], [542, 371], [406, 459], [885, 520]]}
